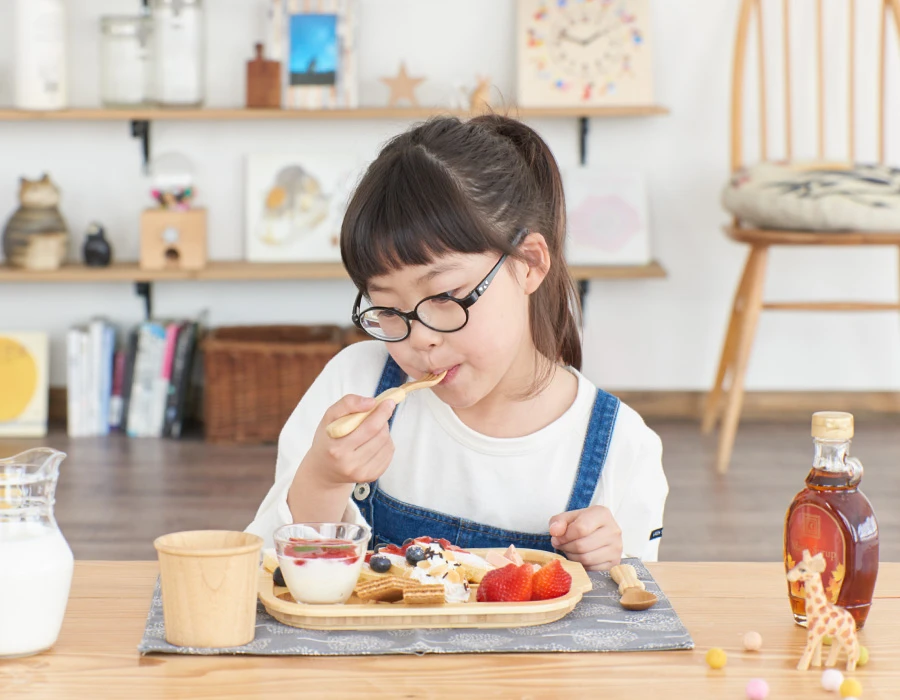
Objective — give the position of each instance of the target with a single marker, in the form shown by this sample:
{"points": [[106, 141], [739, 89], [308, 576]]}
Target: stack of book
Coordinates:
{"points": [[139, 385]]}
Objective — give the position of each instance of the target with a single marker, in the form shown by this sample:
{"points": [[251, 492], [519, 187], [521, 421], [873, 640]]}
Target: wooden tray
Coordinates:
{"points": [[356, 615]]}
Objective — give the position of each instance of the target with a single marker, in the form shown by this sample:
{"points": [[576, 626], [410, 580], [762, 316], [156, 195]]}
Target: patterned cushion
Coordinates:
{"points": [[779, 196]]}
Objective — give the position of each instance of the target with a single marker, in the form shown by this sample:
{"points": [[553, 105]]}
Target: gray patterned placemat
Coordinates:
{"points": [[598, 623]]}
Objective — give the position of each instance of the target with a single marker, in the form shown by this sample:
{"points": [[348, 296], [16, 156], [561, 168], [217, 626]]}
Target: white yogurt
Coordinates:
{"points": [[320, 581], [35, 577]]}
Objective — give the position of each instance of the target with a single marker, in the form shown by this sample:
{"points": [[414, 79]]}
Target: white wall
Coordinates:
{"points": [[644, 334]]}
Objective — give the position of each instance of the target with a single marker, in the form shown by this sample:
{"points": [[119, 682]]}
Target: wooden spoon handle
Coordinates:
{"points": [[343, 426], [626, 577]]}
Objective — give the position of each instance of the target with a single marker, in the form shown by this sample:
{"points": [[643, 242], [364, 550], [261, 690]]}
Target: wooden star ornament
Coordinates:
{"points": [[402, 87]]}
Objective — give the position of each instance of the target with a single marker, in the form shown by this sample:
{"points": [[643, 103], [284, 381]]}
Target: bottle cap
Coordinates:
{"points": [[832, 425]]}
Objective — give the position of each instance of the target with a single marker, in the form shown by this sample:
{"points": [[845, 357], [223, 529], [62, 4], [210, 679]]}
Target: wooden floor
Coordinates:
{"points": [[117, 494]]}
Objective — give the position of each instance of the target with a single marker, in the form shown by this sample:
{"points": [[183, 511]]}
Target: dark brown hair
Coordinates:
{"points": [[451, 186]]}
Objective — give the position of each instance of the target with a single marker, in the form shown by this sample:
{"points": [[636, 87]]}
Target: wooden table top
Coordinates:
{"points": [[96, 655]]}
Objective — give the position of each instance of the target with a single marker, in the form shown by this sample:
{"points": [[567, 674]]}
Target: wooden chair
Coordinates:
{"points": [[748, 300]]}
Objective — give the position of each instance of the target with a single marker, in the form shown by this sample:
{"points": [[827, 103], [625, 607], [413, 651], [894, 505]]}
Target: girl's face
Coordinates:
{"points": [[480, 355]]}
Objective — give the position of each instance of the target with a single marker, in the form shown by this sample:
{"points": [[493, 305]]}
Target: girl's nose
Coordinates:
{"points": [[421, 337]]}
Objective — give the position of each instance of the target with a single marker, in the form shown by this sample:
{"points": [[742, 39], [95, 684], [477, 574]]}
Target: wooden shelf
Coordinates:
{"points": [[239, 114], [245, 271]]}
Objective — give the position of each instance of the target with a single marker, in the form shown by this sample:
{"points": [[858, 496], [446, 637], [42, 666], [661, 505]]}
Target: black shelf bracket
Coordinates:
{"points": [[140, 129], [145, 290], [583, 286], [584, 128]]}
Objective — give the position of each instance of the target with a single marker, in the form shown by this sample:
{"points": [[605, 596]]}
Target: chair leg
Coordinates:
{"points": [[756, 271], [712, 408]]}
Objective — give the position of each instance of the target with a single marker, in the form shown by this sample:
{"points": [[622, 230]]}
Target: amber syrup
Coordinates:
{"points": [[831, 515]]}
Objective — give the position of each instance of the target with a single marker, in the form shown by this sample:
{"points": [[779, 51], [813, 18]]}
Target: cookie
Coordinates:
{"points": [[385, 590], [431, 594]]}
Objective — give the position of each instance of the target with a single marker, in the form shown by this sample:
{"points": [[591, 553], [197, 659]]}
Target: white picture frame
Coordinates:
{"points": [[295, 205], [607, 218], [315, 41]]}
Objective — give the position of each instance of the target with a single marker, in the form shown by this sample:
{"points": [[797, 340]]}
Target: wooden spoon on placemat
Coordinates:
{"points": [[633, 592]]}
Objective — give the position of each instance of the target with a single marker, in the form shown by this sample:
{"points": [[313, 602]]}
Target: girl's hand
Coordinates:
{"points": [[590, 536], [362, 456]]}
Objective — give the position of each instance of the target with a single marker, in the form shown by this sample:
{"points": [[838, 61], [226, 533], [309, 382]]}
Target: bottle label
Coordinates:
{"points": [[815, 529]]}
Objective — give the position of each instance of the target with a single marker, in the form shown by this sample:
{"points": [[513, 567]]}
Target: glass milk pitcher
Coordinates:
{"points": [[35, 560]]}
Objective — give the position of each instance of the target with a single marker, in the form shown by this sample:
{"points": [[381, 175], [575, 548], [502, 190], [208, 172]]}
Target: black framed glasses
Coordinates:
{"points": [[441, 312]]}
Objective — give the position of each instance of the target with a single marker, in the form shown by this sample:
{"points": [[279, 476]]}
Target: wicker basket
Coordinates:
{"points": [[255, 375]]}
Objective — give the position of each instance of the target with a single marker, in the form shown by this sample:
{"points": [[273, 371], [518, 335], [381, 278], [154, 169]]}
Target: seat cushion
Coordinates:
{"points": [[785, 197]]}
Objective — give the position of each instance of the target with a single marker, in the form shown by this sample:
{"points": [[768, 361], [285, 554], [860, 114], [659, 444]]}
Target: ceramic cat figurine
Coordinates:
{"points": [[36, 236]]}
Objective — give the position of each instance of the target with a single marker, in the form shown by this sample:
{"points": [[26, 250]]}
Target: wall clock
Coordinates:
{"points": [[584, 53]]}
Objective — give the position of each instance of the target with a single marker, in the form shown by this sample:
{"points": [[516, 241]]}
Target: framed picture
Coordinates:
{"points": [[24, 377], [315, 40], [607, 218], [585, 53], [295, 205]]}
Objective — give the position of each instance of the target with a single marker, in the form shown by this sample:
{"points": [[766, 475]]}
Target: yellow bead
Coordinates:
{"points": [[851, 688], [863, 656], [827, 640], [716, 658]]}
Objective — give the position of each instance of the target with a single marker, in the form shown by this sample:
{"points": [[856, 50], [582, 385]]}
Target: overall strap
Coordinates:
{"points": [[596, 447], [391, 376]]}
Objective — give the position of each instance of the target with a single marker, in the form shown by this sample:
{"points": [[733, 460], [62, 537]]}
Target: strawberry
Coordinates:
{"points": [[506, 585], [551, 581], [393, 549], [450, 547]]}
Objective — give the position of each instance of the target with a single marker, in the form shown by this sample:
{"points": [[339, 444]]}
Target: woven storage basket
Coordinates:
{"points": [[255, 375]]}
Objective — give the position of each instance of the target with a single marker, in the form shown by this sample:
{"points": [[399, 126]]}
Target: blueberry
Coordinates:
{"points": [[415, 554], [278, 577], [408, 540], [380, 564]]}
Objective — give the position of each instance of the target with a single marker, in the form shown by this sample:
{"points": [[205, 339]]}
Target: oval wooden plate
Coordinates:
{"points": [[356, 615]]}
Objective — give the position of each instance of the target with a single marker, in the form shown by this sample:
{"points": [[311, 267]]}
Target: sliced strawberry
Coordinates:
{"points": [[450, 547], [551, 581], [507, 585], [368, 557], [393, 549]]}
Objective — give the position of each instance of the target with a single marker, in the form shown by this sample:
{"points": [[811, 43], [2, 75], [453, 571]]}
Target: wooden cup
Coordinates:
{"points": [[209, 588]]}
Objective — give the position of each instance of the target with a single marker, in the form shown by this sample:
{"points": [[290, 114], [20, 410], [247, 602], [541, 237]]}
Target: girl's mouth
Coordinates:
{"points": [[451, 373]]}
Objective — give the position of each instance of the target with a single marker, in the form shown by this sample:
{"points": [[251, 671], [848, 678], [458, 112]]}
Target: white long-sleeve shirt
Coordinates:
{"points": [[443, 465]]}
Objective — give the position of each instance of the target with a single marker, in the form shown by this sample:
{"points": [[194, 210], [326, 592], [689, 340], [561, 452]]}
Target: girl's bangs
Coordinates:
{"points": [[410, 212]]}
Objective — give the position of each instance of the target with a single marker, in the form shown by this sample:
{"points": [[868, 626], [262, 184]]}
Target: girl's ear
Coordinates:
{"points": [[536, 258]]}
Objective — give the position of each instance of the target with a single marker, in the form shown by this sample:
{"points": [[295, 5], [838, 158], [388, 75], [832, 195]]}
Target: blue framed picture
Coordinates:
{"points": [[315, 49], [315, 40]]}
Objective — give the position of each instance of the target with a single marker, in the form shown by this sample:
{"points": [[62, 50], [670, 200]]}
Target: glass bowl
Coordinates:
{"points": [[321, 562]]}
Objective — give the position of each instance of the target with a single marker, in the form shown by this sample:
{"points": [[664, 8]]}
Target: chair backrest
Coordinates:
{"points": [[787, 31]]}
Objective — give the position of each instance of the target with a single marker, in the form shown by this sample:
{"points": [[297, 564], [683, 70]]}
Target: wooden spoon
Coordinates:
{"points": [[347, 424], [634, 597]]}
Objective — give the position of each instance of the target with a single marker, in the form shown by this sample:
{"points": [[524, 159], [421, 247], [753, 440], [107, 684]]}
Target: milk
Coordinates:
{"points": [[35, 575]]}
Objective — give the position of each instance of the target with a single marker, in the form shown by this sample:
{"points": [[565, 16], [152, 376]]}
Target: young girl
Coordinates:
{"points": [[454, 238]]}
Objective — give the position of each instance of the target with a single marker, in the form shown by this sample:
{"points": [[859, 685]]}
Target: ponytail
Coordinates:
{"points": [[555, 310]]}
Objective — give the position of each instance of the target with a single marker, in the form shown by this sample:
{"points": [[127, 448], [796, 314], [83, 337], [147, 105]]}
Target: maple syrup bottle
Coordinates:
{"points": [[832, 516]]}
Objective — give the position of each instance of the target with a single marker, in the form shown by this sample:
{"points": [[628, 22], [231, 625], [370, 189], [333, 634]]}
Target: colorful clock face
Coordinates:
{"points": [[583, 50]]}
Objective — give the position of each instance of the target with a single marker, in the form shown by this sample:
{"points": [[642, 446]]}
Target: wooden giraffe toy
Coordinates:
{"points": [[823, 618]]}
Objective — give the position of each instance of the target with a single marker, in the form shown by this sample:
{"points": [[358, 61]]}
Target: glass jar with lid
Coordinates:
{"points": [[178, 52], [125, 60]]}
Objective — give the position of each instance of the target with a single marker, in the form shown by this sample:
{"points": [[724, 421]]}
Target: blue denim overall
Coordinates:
{"points": [[394, 521]]}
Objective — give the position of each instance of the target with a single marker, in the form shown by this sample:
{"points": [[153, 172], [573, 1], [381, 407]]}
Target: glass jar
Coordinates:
{"points": [[178, 52], [39, 40], [124, 60], [36, 563]]}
